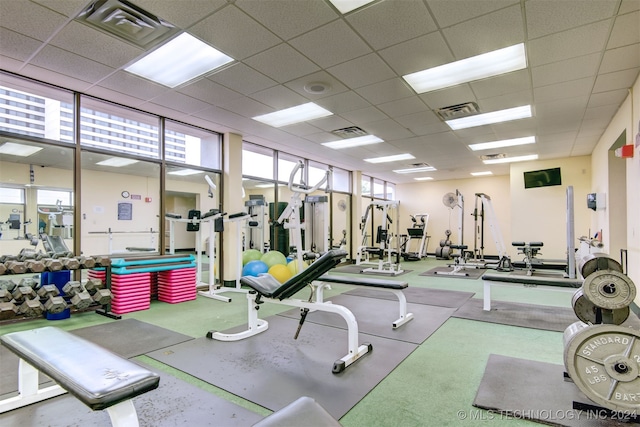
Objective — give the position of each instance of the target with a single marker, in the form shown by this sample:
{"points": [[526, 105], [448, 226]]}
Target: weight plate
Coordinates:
{"points": [[609, 289], [604, 363], [588, 311], [594, 262]]}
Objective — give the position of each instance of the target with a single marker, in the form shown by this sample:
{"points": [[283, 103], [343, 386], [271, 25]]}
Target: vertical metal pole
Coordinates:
{"points": [[571, 250]]}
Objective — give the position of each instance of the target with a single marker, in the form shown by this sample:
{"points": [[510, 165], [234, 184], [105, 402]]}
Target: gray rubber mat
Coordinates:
{"points": [[357, 269], [525, 389], [428, 296], [128, 338], [375, 317], [516, 314], [466, 273], [173, 403], [272, 369]]}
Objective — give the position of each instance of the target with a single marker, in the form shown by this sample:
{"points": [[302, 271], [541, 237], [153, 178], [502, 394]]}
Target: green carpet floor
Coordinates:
{"points": [[434, 386]]}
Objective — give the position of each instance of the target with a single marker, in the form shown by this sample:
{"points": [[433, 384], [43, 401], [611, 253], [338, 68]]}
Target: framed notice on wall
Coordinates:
{"points": [[125, 211]]}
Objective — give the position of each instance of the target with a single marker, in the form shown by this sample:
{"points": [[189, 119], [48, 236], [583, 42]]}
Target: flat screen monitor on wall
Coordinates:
{"points": [[542, 178]]}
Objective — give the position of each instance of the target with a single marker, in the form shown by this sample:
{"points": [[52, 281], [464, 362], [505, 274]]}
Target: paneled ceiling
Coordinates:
{"points": [[582, 58]]}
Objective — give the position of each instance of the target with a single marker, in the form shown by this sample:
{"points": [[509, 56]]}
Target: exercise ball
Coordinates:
{"points": [[254, 268], [293, 266], [251, 255], [272, 258], [280, 272]]}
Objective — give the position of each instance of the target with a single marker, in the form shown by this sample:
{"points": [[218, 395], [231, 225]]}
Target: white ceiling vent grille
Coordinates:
{"points": [[458, 111], [350, 132], [493, 156], [420, 165], [127, 21]]}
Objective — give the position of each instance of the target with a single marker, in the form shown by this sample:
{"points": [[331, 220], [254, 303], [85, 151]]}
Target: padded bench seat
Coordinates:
{"points": [[304, 411], [94, 375]]}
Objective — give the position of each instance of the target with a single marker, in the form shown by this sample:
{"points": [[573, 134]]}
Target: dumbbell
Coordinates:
{"points": [[9, 285], [3, 269], [86, 262], [102, 260], [5, 295], [8, 310], [47, 291], [28, 281], [53, 264], [72, 288], [15, 267], [93, 285], [102, 296], [35, 266], [70, 263], [55, 304], [31, 308], [81, 300], [23, 293]]}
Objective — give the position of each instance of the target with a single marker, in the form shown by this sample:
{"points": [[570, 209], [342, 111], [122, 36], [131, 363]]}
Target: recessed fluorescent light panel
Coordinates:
{"points": [[185, 172], [15, 149], [353, 142], [490, 118], [393, 158], [466, 70], [416, 170], [481, 173], [179, 60], [346, 6], [424, 178], [503, 143], [297, 114], [117, 162], [511, 159]]}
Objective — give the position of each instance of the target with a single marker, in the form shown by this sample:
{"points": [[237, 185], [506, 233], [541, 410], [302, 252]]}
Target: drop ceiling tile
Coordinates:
{"points": [[301, 129], [10, 64], [55, 78], [69, 8], [132, 85], [71, 65], [453, 12], [209, 91], [546, 17], [449, 96], [510, 100], [281, 63], [330, 44], [402, 107], [234, 33], [471, 38], [106, 93], [183, 13], [515, 81], [621, 58], [17, 46], [279, 97], [568, 44], [420, 118], [395, 22], [362, 71], [302, 16], [180, 102], [332, 123], [562, 71], [38, 23], [608, 98], [334, 86], [418, 54], [605, 112], [246, 107], [364, 115], [565, 107], [345, 101], [388, 130], [581, 87], [103, 48], [388, 90], [242, 78], [626, 30], [617, 80]]}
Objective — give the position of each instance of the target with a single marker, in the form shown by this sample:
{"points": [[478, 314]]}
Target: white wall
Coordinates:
{"points": [[627, 118]]}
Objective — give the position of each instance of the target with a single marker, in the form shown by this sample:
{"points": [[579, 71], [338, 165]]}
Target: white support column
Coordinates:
{"points": [[232, 203]]}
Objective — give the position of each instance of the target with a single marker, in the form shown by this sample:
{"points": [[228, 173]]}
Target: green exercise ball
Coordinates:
{"points": [[272, 258], [251, 255]]}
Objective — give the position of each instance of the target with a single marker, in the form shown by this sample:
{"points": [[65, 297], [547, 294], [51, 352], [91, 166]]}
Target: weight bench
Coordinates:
{"points": [[393, 286], [266, 288], [304, 411], [97, 377]]}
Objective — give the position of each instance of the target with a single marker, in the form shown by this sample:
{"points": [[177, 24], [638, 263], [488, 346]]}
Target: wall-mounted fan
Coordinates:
{"points": [[450, 200]]}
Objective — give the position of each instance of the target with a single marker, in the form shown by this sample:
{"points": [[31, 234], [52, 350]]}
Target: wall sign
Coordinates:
{"points": [[125, 211]]}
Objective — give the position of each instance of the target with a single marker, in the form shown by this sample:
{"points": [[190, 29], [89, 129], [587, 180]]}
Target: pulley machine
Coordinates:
{"points": [[254, 234], [418, 232], [386, 264]]}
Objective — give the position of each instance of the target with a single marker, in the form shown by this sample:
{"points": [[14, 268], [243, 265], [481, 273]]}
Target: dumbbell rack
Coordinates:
{"points": [[100, 262]]}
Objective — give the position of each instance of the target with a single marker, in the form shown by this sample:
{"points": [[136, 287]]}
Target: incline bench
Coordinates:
{"points": [[97, 377]]}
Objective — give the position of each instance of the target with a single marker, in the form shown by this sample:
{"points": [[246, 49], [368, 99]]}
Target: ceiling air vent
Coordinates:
{"points": [[458, 111], [128, 22], [350, 132], [493, 156], [420, 165]]}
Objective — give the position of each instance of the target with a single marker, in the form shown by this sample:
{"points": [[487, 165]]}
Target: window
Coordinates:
{"points": [[316, 173], [341, 180], [192, 146], [54, 197], [257, 161], [11, 195], [286, 164], [391, 191], [366, 185]]}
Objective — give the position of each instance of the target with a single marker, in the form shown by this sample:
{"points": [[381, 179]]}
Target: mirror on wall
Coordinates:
{"points": [[120, 205], [36, 193]]}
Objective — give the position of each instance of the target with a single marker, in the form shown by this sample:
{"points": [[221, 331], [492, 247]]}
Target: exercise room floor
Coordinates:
{"points": [[434, 386]]}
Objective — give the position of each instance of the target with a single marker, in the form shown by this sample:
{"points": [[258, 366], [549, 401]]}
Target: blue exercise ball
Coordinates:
{"points": [[254, 268]]}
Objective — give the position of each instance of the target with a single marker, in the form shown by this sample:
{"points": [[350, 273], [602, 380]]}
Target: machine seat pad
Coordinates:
{"points": [[265, 284], [96, 376], [301, 412], [364, 281]]}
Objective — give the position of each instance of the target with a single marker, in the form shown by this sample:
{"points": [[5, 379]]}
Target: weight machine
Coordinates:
{"points": [[386, 263], [484, 209], [316, 223], [63, 224], [417, 233], [254, 234]]}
